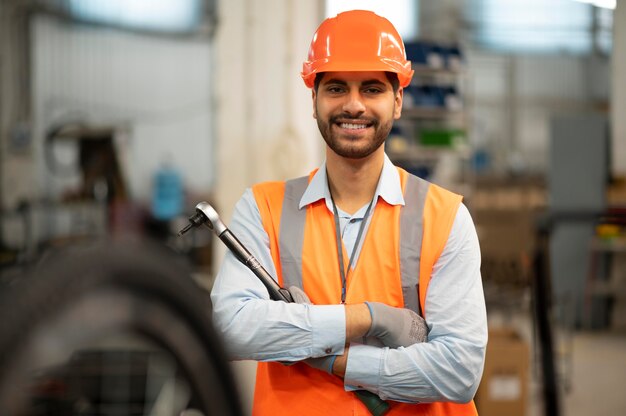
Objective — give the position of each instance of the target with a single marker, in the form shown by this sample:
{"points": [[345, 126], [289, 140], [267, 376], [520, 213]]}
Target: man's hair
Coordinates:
{"points": [[391, 76]]}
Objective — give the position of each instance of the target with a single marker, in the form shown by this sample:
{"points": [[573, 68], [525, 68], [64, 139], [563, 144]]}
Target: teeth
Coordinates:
{"points": [[352, 126]]}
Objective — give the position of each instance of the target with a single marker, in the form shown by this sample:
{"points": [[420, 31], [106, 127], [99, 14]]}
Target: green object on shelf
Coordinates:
{"points": [[440, 137]]}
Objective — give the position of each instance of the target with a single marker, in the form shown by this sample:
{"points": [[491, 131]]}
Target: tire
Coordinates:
{"points": [[87, 294]]}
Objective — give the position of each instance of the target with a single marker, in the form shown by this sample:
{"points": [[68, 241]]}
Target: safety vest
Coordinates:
{"points": [[402, 244]]}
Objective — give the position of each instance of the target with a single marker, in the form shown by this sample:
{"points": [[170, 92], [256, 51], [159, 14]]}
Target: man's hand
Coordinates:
{"points": [[396, 327]]}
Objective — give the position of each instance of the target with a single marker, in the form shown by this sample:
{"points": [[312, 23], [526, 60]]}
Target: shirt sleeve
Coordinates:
{"points": [[449, 366], [254, 327]]}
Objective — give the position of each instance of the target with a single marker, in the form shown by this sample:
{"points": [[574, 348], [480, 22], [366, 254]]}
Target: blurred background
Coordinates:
{"points": [[118, 116]]}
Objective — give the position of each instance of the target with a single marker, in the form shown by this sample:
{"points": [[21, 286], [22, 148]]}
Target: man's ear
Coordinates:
{"points": [[397, 111], [314, 99]]}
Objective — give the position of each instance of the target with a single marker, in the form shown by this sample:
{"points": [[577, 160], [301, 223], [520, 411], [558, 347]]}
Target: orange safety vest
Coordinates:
{"points": [[305, 254]]}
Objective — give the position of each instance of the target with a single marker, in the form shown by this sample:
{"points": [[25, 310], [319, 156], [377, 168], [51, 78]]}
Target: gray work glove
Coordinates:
{"points": [[321, 363], [396, 327], [298, 295]]}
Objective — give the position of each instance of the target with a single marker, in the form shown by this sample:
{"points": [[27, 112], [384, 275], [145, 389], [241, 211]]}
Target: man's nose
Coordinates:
{"points": [[354, 104]]}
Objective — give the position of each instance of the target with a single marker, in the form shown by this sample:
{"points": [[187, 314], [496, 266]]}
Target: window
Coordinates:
{"points": [[404, 14], [169, 16], [538, 26], [604, 31]]}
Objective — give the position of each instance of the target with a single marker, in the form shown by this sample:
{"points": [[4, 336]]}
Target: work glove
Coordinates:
{"points": [[396, 327], [321, 363], [298, 295]]}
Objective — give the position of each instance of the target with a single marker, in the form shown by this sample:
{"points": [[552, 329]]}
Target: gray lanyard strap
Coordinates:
{"points": [[340, 245]]}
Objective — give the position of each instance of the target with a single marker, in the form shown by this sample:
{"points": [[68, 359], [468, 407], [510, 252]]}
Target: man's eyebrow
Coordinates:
{"points": [[372, 82], [336, 81], [364, 83]]}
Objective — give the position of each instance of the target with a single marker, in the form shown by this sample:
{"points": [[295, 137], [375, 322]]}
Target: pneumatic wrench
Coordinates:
{"points": [[205, 214]]}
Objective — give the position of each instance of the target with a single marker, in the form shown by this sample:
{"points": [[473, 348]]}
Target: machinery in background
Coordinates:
{"points": [[112, 328], [84, 156], [89, 198], [102, 178]]}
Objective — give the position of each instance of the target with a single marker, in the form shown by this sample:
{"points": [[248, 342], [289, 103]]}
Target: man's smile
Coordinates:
{"points": [[353, 125]]}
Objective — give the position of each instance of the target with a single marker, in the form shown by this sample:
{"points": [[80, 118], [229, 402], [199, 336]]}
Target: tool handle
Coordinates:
{"points": [[376, 405], [243, 255]]}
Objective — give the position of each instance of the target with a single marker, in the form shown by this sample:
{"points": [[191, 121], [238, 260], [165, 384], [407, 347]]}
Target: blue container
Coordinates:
{"points": [[167, 196]]}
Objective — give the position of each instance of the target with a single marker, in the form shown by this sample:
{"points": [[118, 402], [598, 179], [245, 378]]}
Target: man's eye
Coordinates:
{"points": [[335, 90], [373, 90]]}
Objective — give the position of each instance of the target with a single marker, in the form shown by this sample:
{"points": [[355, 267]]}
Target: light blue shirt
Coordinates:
{"points": [[446, 368]]}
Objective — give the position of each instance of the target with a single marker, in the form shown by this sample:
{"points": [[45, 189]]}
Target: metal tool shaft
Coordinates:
{"points": [[243, 255], [205, 214]]}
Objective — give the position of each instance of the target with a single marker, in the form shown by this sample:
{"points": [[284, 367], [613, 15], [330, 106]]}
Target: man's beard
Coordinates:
{"points": [[351, 150]]}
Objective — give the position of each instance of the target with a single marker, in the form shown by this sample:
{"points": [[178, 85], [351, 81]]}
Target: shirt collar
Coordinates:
{"points": [[388, 188]]}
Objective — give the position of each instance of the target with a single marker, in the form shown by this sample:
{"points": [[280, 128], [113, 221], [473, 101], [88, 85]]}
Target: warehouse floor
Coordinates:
{"points": [[595, 370], [591, 364]]}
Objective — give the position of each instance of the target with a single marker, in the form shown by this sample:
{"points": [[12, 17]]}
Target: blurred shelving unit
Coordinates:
{"points": [[430, 139]]}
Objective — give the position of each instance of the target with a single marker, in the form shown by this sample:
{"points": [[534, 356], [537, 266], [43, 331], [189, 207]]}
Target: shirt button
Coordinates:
{"points": [[328, 350], [353, 220]]}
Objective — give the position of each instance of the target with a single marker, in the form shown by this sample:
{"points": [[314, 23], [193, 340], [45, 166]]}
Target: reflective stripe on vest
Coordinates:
{"points": [[411, 233], [292, 232], [411, 219]]}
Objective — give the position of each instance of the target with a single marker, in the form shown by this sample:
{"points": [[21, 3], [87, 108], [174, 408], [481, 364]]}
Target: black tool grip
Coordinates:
{"points": [[376, 405], [244, 256]]}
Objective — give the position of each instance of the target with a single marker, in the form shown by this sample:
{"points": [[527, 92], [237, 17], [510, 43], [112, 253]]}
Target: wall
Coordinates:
{"points": [[156, 90]]}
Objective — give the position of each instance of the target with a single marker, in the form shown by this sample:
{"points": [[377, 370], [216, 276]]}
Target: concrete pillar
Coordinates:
{"points": [[618, 88], [17, 165], [265, 129]]}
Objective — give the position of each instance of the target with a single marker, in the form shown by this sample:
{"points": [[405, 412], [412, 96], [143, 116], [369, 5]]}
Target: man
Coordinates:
{"points": [[363, 246]]}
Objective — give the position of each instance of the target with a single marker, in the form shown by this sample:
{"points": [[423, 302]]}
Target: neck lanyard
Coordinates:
{"points": [[343, 272]]}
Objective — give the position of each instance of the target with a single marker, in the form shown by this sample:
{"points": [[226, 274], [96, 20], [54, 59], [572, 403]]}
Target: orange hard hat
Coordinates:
{"points": [[357, 40]]}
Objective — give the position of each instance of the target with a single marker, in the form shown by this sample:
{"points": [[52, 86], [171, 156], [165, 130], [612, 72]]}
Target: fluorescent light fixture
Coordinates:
{"points": [[605, 4], [402, 13], [153, 15]]}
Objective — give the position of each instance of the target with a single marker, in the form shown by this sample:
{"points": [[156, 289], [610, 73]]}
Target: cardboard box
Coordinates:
{"points": [[507, 245], [505, 233], [504, 386]]}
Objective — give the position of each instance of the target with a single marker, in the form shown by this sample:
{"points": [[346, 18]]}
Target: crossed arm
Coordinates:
{"points": [[446, 368], [372, 321]]}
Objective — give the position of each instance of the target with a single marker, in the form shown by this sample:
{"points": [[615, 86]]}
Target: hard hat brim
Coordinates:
{"points": [[311, 69]]}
